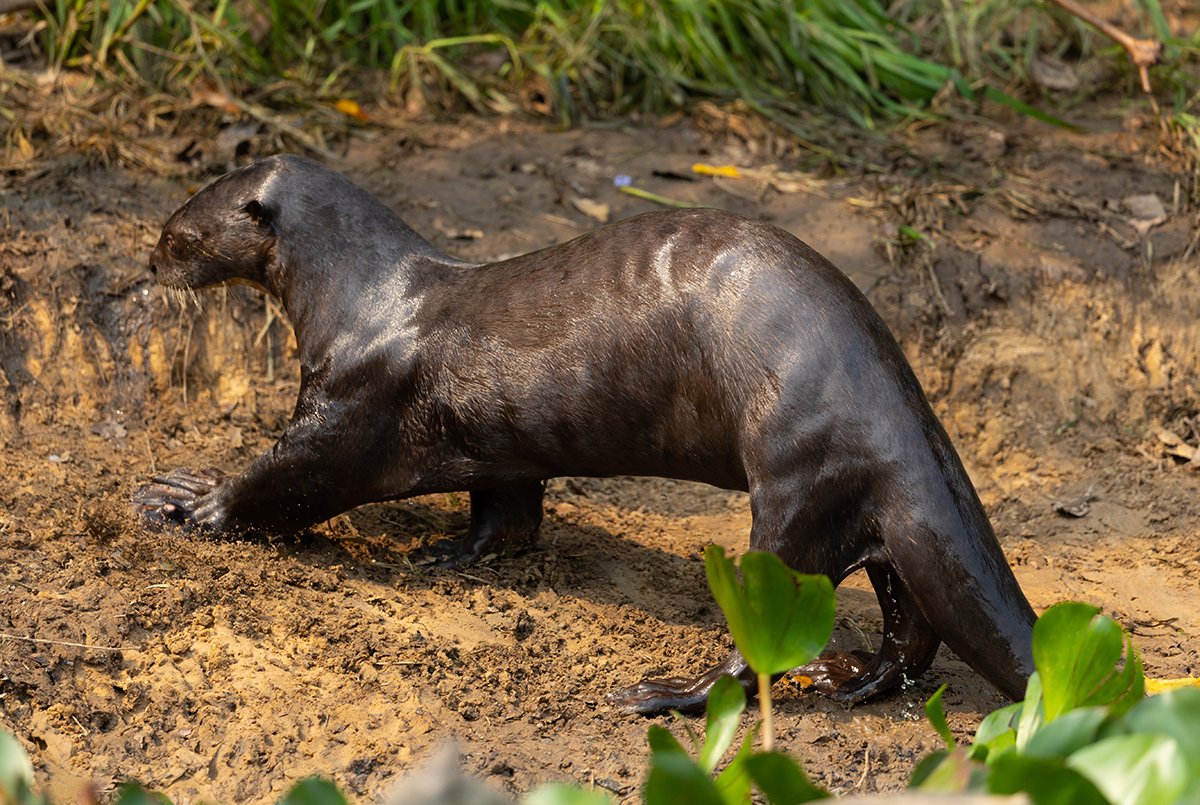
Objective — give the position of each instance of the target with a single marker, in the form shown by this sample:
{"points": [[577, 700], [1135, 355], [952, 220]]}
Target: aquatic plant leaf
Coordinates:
{"points": [[675, 778], [1046, 782], [565, 794], [313, 791], [1078, 654], [1177, 714], [781, 779], [1134, 769], [937, 717], [1067, 733], [778, 618], [726, 702]]}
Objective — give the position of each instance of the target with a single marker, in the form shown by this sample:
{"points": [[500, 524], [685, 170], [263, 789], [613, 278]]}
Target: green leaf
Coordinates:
{"points": [[997, 731], [926, 768], [662, 741], [726, 702], [1133, 769], [1177, 714], [1032, 713], [999, 96], [780, 618], [1077, 652], [948, 772], [937, 717], [1045, 781], [781, 779], [565, 794], [734, 782], [313, 791], [675, 778], [16, 772], [134, 794], [1067, 733]]}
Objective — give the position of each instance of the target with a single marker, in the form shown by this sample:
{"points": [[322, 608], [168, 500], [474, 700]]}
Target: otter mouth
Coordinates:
{"points": [[192, 293]]}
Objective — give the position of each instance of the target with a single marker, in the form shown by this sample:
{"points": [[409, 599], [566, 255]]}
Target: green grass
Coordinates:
{"points": [[860, 59]]}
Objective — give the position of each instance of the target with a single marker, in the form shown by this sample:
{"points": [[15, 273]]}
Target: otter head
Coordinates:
{"points": [[225, 233]]}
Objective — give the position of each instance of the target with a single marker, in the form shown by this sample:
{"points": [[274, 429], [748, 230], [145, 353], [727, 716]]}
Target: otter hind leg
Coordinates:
{"points": [[503, 519], [690, 694], [908, 648]]}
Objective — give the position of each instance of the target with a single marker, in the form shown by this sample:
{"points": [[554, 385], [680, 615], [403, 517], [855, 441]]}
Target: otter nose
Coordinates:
{"points": [[154, 269]]}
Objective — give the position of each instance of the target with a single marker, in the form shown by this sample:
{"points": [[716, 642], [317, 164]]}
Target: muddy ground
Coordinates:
{"points": [[1051, 321]]}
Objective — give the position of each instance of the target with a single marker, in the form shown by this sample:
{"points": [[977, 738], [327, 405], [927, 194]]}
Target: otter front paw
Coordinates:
{"points": [[175, 496]]}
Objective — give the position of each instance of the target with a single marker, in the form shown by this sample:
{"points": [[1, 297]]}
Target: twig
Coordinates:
{"points": [[7, 636], [11, 6], [1144, 53]]}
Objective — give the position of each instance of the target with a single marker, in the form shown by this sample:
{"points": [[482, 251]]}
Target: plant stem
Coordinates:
{"points": [[764, 704]]}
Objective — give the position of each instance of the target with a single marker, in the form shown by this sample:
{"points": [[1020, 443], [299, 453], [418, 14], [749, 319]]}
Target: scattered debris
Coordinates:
{"points": [[597, 210], [351, 108], [674, 176], [1178, 448], [1144, 53], [109, 429], [1051, 73], [767, 176], [646, 195], [1146, 212], [1078, 507], [455, 233]]}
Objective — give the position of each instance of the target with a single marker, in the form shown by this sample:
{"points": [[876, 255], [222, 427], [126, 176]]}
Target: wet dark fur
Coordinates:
{"points": [[688, 344]]}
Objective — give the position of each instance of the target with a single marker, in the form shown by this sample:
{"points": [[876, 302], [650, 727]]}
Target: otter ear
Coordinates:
{"points": [[262, 216]]}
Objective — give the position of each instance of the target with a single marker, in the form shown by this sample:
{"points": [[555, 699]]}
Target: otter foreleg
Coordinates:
{"points": [[310, 475], [172, 497]]}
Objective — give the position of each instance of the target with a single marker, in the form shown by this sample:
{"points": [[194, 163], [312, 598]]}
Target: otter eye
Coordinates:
{"points": [[172, 244]]}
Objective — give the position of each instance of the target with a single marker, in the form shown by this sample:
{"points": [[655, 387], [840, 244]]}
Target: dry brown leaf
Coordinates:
{"points": [[591, 208]]}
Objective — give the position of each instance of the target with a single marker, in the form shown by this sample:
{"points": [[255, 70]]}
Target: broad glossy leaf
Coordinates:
{"points": [[1067, 733], [734, 781], [949, 772], [1032, 714], [134, 794], [661, 740], [1176, 714], [937, 717], [674, 778], [1134, 769], [997, 732], [1077, 652], [313, 791], [781, 779], [1045, 781], [564, 794], [16, 772], [726, 702], [780, 618]]}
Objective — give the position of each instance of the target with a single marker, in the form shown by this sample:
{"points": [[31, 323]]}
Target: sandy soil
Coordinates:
{"points": [[1054, 337]]}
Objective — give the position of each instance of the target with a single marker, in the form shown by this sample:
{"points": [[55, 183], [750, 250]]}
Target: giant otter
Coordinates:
{"points": [[689, 344]]}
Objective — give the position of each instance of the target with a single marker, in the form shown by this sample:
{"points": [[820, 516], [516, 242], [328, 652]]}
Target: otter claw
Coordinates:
{"points": [[838, 674], [172, 497]]}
